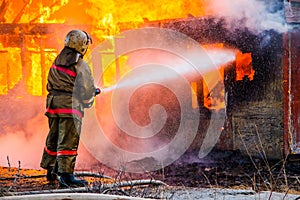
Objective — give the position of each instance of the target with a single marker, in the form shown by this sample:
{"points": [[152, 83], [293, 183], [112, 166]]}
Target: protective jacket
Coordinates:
{"points": [[69, 83]]}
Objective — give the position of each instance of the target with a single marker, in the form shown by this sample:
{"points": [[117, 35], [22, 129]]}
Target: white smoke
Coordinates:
{"points": [[23, 130], [255, 15]]}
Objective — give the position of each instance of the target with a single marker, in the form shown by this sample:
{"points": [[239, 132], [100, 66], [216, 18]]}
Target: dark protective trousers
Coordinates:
{"points": [[61, 144]]}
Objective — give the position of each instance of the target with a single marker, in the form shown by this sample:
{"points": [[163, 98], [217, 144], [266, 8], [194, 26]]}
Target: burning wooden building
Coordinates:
{"points": [[260, 87]]}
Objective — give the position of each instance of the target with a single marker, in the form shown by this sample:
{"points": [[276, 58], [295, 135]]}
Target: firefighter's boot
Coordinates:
{"points": [[51, 176], [67, 180]]}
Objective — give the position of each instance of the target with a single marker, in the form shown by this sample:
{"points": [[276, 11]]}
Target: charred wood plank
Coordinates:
{"points": [[103, 187], [258, 128], [292, 11], [90, 174], [38, 29], [3, 9]]}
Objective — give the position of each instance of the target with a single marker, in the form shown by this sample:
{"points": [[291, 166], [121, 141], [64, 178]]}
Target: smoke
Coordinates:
{"points": [[255, 15], [148, 113], [16, 146], [23, 130]]}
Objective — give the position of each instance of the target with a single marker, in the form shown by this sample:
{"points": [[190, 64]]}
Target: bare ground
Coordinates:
{"points": [[220, 173]]}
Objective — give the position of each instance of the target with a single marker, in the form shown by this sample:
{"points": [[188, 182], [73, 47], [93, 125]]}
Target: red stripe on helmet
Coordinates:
{"points": [[64, 111], [62, 69]]}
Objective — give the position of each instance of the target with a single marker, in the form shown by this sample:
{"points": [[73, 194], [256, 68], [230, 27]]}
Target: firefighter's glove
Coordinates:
{"points": [[88, 103], [98, 91]]}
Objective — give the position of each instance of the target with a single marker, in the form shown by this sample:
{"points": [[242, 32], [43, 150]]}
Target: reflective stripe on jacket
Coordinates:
{"points": [[68, 86]]}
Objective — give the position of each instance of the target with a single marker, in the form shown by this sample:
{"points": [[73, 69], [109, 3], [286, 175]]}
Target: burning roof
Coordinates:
{"points": [[93, 11]]}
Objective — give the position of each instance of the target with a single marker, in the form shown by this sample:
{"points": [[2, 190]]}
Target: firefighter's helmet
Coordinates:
{"points": [[78, 40]]}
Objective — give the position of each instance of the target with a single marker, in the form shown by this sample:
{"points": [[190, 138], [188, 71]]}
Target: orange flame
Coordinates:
{"points": [[106, 18], [244, 66], [10, 70]]}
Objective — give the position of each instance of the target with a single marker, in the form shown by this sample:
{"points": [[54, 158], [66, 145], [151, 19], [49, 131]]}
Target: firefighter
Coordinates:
{"points": [[70, 89]]}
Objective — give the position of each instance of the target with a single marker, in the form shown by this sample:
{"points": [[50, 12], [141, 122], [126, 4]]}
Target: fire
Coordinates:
{"points": [[107, 18], [47, 11], [31, 11], [137, 11], [11, 70], [114, 70], [244, 66]]}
